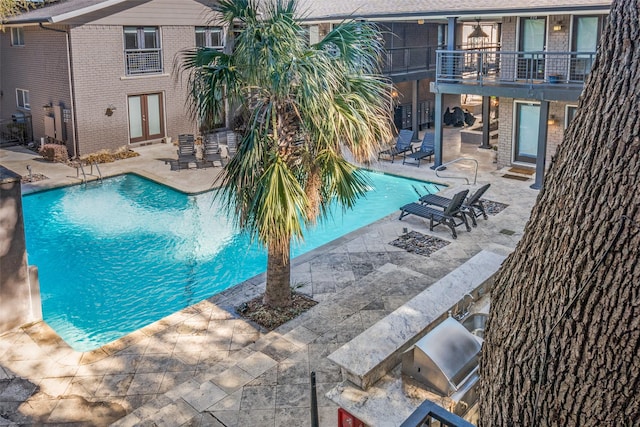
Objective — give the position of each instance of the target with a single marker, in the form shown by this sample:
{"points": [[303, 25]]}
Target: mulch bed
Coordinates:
{"points": [[419, 243], [269, 317], [34, 177], [492, 207]]}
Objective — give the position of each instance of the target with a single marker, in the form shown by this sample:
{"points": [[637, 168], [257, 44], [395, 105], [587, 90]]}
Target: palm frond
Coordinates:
{"points": [[242, 10], [279, 203], [358, 45], [303, 105], [211, 78]]}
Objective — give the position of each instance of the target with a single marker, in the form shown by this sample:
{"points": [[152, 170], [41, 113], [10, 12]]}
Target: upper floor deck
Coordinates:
{"points": [[556, 76]]}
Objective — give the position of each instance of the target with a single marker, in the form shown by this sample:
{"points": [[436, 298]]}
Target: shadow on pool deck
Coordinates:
{"points": [[206, 366]]}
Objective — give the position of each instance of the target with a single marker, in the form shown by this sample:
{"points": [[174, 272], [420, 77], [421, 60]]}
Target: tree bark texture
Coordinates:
{"points": [[278, 290], [562, 344]]}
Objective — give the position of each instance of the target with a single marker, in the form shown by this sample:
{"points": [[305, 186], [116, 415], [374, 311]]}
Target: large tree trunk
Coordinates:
{"points": [[563, 340], [278, 291]]}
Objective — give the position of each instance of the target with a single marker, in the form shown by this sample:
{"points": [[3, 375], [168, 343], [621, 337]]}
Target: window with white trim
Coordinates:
{"points": [[17, 36], [22, 99], [211, 37]]}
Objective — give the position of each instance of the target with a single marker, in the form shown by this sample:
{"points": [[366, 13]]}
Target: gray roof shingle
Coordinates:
{"points": [[336, 9], [317, 10]]}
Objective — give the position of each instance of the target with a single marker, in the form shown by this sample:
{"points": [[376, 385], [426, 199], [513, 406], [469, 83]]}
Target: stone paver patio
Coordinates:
{"points": [[206, 366]]}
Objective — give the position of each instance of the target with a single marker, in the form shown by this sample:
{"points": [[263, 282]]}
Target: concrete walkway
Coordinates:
{"points": [[206, 366]]}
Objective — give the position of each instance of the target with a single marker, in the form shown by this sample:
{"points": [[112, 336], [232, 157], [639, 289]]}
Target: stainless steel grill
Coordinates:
{"points": [[445, 360]]}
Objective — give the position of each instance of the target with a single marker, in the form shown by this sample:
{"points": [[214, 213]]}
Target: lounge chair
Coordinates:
{"points": [[427, 149], [452, 216], [472, 206], [403, 144], [211, 150], [232, 145], [186, 150]]}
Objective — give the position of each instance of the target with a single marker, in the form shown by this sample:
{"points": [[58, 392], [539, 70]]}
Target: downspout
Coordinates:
{"points": [[74, 132]]}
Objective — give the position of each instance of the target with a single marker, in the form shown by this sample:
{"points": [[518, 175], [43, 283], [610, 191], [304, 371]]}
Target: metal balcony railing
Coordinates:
{"points": [[491, 67], [430, 414], [408, 59], [143, 61]]}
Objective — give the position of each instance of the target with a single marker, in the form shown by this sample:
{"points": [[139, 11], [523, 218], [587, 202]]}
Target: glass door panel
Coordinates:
{"points": [[146, 117], [154, 118], [585, 39], [532, 39], [527, 125], [135, 117]]}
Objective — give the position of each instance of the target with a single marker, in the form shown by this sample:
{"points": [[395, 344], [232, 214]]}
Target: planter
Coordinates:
{"points": [[554, 78]]}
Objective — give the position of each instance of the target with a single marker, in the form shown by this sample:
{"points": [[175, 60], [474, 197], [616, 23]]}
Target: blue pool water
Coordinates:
{"points": [[116, 256]]}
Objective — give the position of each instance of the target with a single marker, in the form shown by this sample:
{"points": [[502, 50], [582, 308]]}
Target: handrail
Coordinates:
{"points": [[97, 168], [513, 67], [459, 159], [78, 169], [429, 411]]}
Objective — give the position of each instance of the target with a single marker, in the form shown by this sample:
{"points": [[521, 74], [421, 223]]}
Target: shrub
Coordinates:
{"points": [[124, 153], [106, 156], [54, 152]]}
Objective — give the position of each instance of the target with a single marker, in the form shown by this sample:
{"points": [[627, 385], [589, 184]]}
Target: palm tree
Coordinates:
{"points": [[9, 8], [300, 106]]}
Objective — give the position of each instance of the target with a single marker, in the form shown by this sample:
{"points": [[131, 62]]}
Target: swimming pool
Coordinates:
{"points": [[116, 256]]}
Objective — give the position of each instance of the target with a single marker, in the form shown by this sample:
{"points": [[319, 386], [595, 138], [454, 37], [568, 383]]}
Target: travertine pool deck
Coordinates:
{"points": [[206, 366]]}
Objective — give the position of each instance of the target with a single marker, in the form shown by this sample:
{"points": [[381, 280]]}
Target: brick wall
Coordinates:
{"points": [[101, 81], [555, 131], [508, 40], [40, 66], [505, 132]]}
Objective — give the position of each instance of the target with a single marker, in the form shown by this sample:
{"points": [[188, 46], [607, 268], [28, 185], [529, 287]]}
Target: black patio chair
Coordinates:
{"points": [[426, 149], [211, 151], [452, 216], [403, 144], [186, 150], [472, 206]]}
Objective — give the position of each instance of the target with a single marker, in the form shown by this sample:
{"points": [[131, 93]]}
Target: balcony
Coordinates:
{"points": [[409, 60], [537, 75], [143, 61], [519, 68]]}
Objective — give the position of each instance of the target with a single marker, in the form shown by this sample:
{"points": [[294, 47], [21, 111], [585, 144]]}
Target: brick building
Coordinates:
{"points": [[100, 74]]}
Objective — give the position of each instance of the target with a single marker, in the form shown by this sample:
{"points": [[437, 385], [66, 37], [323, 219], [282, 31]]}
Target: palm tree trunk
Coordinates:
{"points": [[278, 291], [563, 339]]}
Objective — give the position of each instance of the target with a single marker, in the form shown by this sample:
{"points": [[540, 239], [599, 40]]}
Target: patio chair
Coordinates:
{"points": [[186, 150], [211, 150], [232, 145], [452, 216], [403, 144], [472, 206], [426, 149]]}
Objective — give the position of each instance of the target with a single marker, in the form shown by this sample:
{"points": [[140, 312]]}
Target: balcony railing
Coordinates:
{"points": [[430, 414], [492, 67], [143, 61], [409, 59]]}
